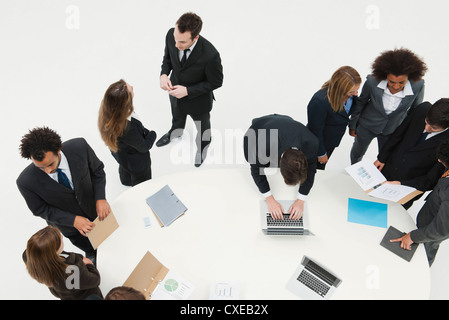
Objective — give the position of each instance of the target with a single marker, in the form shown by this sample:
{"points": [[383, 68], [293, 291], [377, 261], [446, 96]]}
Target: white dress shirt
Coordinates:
{"points": [[64, 166], [181, 53], [391, 101]]}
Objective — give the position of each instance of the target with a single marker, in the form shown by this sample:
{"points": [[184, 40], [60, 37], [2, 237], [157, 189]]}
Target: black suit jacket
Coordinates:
{"points": [[134, 145], [290, 133], [326, 124], [406, 159], [57, 204], [201, 74]]}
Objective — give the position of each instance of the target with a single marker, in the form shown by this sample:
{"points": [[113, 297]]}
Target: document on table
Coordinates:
{"points": [[391, 192], [368, 213], [172, 287], [373, 182], [166, 206]]}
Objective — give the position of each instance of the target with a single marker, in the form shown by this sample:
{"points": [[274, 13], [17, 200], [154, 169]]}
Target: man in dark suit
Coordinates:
{"points": [[409, 155], [196, 70], [279, 141], [433, 218], [65, 184]]}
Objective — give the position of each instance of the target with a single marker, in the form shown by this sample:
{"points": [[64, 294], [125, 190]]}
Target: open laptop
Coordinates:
{"points": [[312, 281], [284, 226]]}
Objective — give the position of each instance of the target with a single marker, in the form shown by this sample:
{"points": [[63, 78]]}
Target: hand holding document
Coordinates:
{"points": [[373, 182]]}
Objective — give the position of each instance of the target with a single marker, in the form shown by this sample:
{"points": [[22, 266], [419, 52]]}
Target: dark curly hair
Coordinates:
{"points": [[190, 22], [399, 62], [293, 167], [443, 153], [38, 141]]}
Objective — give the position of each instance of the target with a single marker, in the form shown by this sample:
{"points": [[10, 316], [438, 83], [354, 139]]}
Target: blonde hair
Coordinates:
{"points": [[42, 259], [115, 108], [341, 82]]}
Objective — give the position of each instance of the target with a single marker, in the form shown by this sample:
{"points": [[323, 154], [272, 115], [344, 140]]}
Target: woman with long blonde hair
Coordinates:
{"points": [[69, 276], [329, 109], [124, 134]]}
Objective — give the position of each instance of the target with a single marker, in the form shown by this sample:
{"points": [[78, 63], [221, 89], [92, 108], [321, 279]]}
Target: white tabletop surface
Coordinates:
{"points": [[220, 238]]}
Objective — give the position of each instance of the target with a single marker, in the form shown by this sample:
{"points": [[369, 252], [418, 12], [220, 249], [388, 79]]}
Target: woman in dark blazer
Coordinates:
{"points": [[329, 109], [126, 137], [69, 276]]}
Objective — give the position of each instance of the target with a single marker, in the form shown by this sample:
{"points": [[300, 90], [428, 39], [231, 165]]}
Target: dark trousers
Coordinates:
{"points": [[322, 166], [81, 242], [202, 124]]}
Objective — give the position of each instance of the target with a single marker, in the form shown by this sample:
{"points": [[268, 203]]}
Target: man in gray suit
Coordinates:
{"points": [[433, 218], [394, 86]]}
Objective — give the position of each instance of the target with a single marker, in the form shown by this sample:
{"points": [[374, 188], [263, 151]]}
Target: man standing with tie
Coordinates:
{"points": [[195, 70], [409, 155], [65, 184]]}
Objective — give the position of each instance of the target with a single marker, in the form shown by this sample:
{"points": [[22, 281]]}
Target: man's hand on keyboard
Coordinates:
{"points": [[275, 208], [296, 209]]}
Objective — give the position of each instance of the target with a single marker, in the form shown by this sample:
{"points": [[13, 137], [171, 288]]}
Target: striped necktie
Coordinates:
{"points": [[62, 178]]}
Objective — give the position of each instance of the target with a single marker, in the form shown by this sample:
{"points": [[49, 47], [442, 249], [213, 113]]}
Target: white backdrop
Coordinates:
{"points": [[58, 57]]}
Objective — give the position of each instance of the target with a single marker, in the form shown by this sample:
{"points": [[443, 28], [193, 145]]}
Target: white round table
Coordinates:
{"points": [[219, 238]]}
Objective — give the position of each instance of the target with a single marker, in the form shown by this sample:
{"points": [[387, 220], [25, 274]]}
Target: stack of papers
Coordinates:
{"points": [[166, 206]]}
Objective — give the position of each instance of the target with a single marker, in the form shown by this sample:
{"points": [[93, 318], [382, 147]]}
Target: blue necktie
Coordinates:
{"points": [[62, 178], [424, 136]]}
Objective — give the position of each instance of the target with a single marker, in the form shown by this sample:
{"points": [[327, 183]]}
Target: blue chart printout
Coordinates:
{"points": [[368, 213]]}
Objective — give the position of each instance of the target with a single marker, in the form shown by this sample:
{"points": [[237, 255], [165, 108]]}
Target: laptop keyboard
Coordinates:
{"points": [[285, 222], [313, 283]]}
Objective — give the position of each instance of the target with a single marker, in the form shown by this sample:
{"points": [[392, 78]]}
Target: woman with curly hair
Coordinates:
{"points": [[394, 86], [126, 137]]}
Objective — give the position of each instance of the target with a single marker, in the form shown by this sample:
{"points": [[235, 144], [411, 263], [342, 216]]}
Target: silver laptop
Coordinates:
{"points": [[284, 226], [312, 281]]}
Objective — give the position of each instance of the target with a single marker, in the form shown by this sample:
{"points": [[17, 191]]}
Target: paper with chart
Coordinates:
{"points": [[366, 174], [392, 192], [172, 287], [373, 182]]}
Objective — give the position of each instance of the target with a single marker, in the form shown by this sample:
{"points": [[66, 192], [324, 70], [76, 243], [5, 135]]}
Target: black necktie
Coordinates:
{"points": [[62, 178], [184, 57]]}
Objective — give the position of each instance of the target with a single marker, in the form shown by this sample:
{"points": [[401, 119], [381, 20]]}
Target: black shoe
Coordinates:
{"points": [[164, 140], [92, 256], [200, 156]]}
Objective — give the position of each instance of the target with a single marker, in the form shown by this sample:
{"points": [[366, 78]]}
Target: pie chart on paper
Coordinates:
{"points": [[171, 285]]}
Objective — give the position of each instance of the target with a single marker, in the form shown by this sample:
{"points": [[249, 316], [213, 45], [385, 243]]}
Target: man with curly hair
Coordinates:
{"points": [[64, 184], [390, 91], [433, 218]]}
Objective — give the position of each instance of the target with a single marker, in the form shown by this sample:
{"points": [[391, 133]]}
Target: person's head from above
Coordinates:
{"points": [[43, 260], [344, 83], [124, 293], [115, 109], [187, 30], [293, 166], [443, 153], [437, 118], [397, 67], [42, 145]]}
